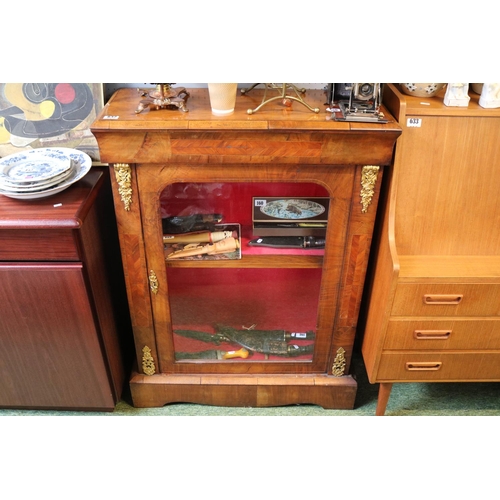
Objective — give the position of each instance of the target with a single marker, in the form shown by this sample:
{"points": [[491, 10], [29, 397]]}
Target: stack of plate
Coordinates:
{"points": [[38, 173]]}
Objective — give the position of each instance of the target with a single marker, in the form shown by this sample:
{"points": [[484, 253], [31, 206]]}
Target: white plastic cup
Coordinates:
{"points": [[222, 97]]}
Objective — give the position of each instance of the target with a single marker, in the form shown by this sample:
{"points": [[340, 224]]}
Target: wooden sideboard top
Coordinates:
{"points": [[66, 209]]}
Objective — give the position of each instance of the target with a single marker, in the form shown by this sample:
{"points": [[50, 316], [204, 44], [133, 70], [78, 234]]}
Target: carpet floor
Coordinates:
{"points": [[409, 399]]}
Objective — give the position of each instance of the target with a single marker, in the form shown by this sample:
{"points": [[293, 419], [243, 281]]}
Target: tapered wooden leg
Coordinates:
{"points": [[383, 398]]}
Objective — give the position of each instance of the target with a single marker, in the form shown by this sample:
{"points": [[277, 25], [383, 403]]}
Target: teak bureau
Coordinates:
{"points": [[434, 300]]}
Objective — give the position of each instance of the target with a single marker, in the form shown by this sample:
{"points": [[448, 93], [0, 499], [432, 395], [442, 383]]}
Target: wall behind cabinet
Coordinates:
{"points": [[110, 88]]}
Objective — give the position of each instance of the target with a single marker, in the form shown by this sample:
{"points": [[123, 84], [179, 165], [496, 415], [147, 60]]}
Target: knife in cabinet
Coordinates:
{"points": [[213, 354], [198, 237], [306, 242], [190, 223]]}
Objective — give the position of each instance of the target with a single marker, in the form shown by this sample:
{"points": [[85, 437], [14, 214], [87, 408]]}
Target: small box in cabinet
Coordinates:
{"points": [[289, 216]]}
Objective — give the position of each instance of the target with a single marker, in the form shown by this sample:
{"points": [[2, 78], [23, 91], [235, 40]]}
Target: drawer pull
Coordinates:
{"points": [[439, 300], [423, 366], [432, 334]]}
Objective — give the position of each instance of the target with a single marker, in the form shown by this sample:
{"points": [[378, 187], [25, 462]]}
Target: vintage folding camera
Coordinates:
{"points": [[338, 92], [357, 102]]}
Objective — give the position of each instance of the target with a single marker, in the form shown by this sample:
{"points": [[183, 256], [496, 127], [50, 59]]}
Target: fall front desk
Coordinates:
{"points": [[228, 322]]}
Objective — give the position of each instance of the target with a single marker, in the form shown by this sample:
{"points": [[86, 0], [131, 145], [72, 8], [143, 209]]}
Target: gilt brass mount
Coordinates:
{"points": [[369, 176], [339, 363], [153, 282], [123, 175], [148, 364]]}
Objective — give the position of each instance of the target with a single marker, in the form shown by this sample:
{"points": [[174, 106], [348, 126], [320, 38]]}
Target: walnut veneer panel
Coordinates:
{"points": [[273, 134], [244, 390]]}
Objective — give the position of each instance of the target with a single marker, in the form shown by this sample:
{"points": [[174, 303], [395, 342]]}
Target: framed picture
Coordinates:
{"points": [[36, 115]]}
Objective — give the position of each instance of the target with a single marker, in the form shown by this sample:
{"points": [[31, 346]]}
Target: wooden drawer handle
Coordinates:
{"points": [[439, 300], [432, 334], [423, 366]]}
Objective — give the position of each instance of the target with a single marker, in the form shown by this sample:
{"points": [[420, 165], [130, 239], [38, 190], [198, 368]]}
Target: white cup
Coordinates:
{"points": [[222, 97]]}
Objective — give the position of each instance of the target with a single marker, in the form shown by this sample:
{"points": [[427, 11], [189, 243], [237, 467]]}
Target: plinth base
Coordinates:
{"points": [[243, 390]]}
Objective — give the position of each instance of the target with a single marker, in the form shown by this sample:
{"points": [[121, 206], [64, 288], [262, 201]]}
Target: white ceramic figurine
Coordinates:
{"points": [[457, 94], [490, 95]]}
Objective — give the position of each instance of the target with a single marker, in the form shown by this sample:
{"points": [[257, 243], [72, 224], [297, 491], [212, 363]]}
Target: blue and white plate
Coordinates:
{"points": [[292, 209], [26, 187], [81, 163], [36, 165]]}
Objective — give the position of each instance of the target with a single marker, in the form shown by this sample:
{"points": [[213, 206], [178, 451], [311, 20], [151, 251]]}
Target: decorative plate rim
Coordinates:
{"points": [[60, 160], [313, 206], [84, 164]]}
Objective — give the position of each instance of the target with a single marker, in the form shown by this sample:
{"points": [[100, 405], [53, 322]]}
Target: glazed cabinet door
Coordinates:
{"points": [[228, 306], [50, 354]]}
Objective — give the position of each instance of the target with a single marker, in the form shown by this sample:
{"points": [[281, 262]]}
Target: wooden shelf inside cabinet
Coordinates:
{"points": [[166, 163], [257, 261]]}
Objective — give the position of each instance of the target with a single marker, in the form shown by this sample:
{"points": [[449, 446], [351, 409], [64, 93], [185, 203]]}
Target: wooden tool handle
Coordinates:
{"points": [[196, 237], [241, 353]]}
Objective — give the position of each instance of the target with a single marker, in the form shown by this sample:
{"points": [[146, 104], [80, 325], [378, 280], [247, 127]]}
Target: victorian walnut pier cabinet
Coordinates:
{"points": [[169, 163]]}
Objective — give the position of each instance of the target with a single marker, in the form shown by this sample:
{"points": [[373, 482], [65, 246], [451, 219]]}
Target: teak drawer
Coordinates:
{"points": [[447, 299], [436, 367], [469, 334]]}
